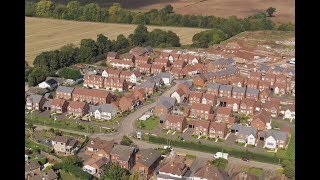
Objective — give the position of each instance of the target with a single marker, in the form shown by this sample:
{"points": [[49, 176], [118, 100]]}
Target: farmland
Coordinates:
{"points": [[48, 34]]}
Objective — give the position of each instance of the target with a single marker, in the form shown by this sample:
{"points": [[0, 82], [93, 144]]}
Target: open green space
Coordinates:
{"points": [[148, 124]]}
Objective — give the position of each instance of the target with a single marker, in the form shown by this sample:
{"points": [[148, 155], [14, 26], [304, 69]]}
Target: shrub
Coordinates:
{"points": [[126, 141], [42, 161]]}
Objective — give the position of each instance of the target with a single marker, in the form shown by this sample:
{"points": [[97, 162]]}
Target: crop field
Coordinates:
{"points": [[49, 34]]}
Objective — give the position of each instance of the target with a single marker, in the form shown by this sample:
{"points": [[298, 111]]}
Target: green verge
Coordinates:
{"points": [[149, 124], [267, 158]]}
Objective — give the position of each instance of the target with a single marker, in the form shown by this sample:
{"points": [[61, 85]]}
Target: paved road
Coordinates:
{"points": [[127, 124]]}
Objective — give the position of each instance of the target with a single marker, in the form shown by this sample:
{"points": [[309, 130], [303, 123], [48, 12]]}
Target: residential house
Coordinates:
{"points": [[174, 169], [238, 92], [177, 73], [112, 55], [176, 123], [209, 99], [124, 156], [64, 92], [94, 165], [157, 68], [288, 112], [208, 172], [247, 106], [157, 80], [184, 57], [195, 97], [264, 85], [35, 102], [164, 55], [277, 70], [270, 77], [131, 76], [281, 78], [199, 80], [290, 72], [232, 103], [77, 108], [218, 130], [255, 76], [114, 84], [162, 62], [139, 94], [91, 96], [201, 127], [166, 77], [148, 87], [245, 134], [190, 71], [31, 167], [272, 106], [193, 60], [164, 106], [59, 106], [99, 147], [121, 64], [261, 120], [237, 81], [48, 175], [179, 64], [243, 176], [280, 88], [276, 139], [50, 84], [211, 77], [223, 114], [264, 69], [220, 64], [126, 103], [142, 60], [145, 68], [252, 93], [111, 73], [264, 95], [251, 83], [225, 90], [127, 57], [105, 112], [140, 51], [65, 145], [147, 160], [213, 89], [185, 86], [93, 81], [202, 111], [179, 95]]}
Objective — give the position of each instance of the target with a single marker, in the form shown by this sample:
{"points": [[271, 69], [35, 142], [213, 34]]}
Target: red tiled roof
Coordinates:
{"points": [[91, 92], [145, 65], [230, 100], [218, 126], [195, 94], [156, 66], [76, 104], [224, 110], [174, 118], [199, 106], [58, 102], [248, 101]]}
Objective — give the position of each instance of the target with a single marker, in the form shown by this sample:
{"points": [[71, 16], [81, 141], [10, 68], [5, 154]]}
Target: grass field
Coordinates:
{"points": [[49, 34], [149, 124], [67, 176]]}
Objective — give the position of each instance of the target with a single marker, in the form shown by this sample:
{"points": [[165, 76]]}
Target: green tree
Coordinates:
{"points": [[69, 73], [103, 44], [30, 126], [220, 163], [59, 10], [126, 141], [270, 11], [115, 172], [67, 55], [91, 12], [73, 10], [140, 18], [37, 76], [167, 9], [114, 9], [140, 35], [289, 168], [218, 36], [71, 160], [30, 8], [141, 125], [121, 42], [173, 39], [45, 8], [135, 176], [87, 50]]}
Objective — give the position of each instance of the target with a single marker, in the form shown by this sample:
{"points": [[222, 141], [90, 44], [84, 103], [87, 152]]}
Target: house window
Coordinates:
{"points": [[270, 144]]}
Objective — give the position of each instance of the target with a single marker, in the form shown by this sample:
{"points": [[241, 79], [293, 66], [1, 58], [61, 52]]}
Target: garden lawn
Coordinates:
{"points": [[254, 171], [67, 176], [149, 124]]}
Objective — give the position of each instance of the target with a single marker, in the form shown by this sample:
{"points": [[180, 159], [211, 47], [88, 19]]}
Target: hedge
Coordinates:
{"points": [[213, 149]]}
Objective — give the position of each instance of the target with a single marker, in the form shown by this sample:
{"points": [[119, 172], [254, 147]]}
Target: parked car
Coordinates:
{"points": [[245, 159]]}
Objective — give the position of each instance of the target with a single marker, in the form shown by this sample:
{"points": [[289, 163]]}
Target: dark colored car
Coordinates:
{"points": [[245, 159]]}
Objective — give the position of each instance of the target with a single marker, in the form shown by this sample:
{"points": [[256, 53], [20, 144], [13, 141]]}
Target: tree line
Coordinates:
{"points": [[90, 51]]}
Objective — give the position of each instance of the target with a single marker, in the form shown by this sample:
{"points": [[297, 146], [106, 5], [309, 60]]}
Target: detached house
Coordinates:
{"points": [[64, 92], [65, 145], [245, 134], [218, 130], [272, 106], [276, 139], [288, 112], [179, 95], [252, 93], [201, 127], [185, 86], [105, 112], [124, 156], [77, 108], [247, 106], [174, 169], [225, 91], [208, 172], [147, 160], [99, 147], [223, 114], [195, 97], [164, 106], [148, 87], [232, 103], [166, 77], [94, 165], [198, 110], [35, 102], [59, 106], [177, 123], [261, 120]]}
